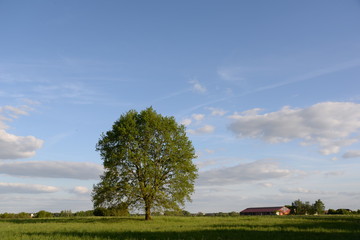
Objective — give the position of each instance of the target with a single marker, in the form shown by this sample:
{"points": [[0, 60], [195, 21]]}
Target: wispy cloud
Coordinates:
{"points": [[202, 130], [352, 154], [300, 190], [217, 111], [50, 169], [238, 75], [243, 173], [26, 188], [313, 74], [197, 86]]}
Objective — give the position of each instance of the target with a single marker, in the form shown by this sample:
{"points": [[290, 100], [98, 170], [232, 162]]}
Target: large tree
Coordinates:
{"points": [[148, 163]]}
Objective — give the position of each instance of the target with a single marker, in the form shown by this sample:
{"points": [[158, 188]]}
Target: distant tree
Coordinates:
{"points": [[343, 211], [308, 208], [301, 208], [200, 214], [298, 206], [118, 210], [319, 207], [43, 214], [233, 214], [100, 212], [87, 213], [331, 211], [66, 213], [185, 213], [23, 215], [148, 164]]}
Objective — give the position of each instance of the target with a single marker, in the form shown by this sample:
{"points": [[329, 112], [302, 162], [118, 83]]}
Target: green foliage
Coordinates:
{"points": [[177, 213], [100, 212], [15, 215], [148, 164], [319, 207], [65, 213], [88, 213], [305, 208], [112, 211], [342, 211], [43, 214]]}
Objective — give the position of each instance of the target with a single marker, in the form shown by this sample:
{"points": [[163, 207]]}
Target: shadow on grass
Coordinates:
{"points": [[199, 235]]}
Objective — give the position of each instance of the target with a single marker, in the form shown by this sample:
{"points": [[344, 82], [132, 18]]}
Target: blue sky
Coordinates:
{"points": [[268, 91]]}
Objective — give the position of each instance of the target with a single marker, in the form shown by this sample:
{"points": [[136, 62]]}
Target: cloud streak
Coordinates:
{"points": [[42, 169], [26, 188], [316, 73], [243, 173], [352, 154], [202, 130]]}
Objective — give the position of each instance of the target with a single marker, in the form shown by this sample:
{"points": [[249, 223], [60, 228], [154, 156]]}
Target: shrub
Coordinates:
{"points": [[43, 214]]}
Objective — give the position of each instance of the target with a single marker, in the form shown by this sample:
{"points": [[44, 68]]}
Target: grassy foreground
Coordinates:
{"points": [[202, 228]]}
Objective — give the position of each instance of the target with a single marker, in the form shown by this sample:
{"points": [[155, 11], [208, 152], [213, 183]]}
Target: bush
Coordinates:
{"points": [[65, 213], [100, 212], [113, 211], [23, 215], [13, 215], [88, 213], [43, 214]]}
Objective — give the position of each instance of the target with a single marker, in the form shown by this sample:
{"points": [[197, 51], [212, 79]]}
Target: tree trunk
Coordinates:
{"points": [[147, 212]]}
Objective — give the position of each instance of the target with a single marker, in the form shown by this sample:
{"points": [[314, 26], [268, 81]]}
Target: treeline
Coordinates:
{"points": [[46, 214], [299, 207], [343, 211], [199, 214]]}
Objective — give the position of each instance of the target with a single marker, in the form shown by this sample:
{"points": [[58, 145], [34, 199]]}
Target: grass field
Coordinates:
{"points": [[217, 228]]}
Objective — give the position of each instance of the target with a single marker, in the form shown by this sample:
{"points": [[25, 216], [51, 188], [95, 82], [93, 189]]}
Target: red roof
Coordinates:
{"points": [[262, 209]]}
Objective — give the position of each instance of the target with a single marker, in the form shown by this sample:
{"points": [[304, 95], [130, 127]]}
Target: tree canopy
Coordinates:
{"points": [[147, 164], [301, 208]]}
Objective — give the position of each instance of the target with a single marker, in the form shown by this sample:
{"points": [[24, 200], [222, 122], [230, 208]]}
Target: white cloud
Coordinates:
{"points": [[203, 130], [198, 117], [352, 154], [74, 170], [12, 146], [197, 87], [186, 122], [80, 190], [26, 188], [217, 111], [243, 173], [330, 125]]}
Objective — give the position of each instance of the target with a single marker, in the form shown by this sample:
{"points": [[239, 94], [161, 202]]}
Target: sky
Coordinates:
{"points": [[268, 92]]}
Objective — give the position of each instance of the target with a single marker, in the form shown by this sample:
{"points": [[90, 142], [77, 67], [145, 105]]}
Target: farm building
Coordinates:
{"points": [[266, 211]]}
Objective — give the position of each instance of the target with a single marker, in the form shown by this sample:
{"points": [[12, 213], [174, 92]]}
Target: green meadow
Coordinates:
{"points": [[217, 228]]}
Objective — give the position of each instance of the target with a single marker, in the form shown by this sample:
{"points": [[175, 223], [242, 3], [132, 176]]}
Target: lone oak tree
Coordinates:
{"points": [[148, 164]]}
